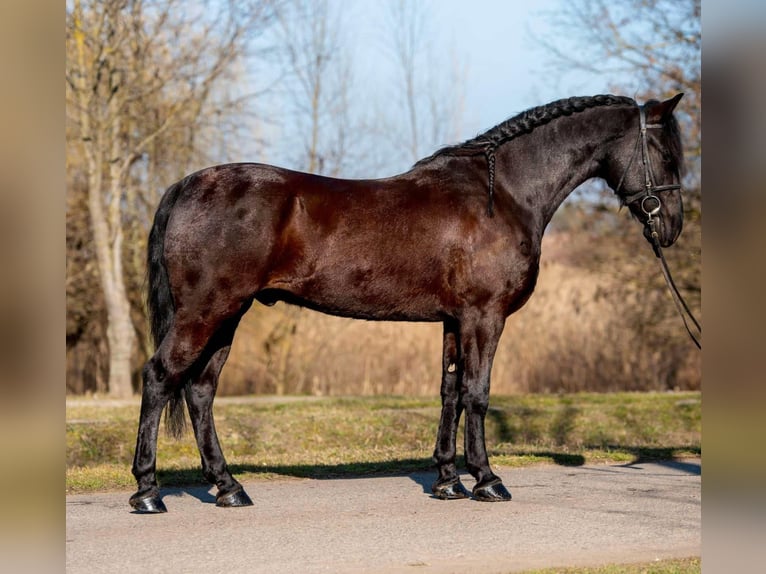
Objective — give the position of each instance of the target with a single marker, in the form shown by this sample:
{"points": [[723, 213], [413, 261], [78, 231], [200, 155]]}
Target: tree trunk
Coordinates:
{"points": [[121, 336], [106, 226], [120, 331]]}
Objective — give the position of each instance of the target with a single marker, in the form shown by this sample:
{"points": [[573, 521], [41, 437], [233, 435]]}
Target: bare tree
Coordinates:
{"points": [[652, 46], [318, 81], [429, 88], [407, 21], [139, 74]]}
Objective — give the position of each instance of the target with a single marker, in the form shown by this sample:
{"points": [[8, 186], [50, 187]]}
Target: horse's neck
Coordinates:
{"points": [[553, 166]]}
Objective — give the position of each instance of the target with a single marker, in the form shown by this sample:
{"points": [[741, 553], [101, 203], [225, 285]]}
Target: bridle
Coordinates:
{"points": [[650, 185], [650, 205]]}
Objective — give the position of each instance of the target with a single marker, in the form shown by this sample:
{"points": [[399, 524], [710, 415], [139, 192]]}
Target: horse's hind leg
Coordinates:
{"points": [[448, 485], [199, 397], [172, 365], [157, 390]]}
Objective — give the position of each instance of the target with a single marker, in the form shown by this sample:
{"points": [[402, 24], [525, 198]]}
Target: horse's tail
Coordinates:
{"points": [[160, 299]]}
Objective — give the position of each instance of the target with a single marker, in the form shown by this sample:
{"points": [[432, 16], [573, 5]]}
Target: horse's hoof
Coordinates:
{"points": [[233, 499], [450, 491], [492, 492], [148, 503]]}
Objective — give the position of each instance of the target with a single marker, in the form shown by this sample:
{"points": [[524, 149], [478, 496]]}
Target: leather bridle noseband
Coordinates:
{"points": [[652, 212]]}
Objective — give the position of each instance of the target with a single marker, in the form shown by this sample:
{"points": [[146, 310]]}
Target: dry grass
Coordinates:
{"points": [[372, 435], [672, 566]]}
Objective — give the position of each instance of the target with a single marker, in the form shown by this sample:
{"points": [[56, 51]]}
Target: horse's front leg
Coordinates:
{"points": [[448, 485], [479, 337]]}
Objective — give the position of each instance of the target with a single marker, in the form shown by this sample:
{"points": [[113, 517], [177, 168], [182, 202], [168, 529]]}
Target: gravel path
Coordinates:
{"points": [[560, 516]]}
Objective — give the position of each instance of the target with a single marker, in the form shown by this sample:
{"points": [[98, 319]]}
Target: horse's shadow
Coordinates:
{"points": [[206, 493], [201, 493], [419, 470], [178, 482]]}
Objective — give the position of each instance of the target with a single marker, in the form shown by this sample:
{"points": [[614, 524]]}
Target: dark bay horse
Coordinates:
{"points": [[456, 239]]}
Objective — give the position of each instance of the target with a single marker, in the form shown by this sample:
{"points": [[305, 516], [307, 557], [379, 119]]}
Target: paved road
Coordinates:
{"points": [[560, 516]]}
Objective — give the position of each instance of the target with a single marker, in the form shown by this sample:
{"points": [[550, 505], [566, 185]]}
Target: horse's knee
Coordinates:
{"points": [[449, 390], [476, 401], [201, 391]]}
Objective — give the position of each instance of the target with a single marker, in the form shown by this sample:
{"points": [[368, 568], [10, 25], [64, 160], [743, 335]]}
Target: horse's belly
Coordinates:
{"points": [[362, 294]]}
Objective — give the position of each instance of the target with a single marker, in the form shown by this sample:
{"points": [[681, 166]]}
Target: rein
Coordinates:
{"points": [[647, 196], [680, 304]]}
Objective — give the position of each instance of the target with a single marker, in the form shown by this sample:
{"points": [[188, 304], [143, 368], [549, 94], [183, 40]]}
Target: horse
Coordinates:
{"points": [[456, 240]]}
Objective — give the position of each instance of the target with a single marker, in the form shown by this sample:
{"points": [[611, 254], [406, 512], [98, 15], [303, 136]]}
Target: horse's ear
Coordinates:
{"points": [[662, 111]]}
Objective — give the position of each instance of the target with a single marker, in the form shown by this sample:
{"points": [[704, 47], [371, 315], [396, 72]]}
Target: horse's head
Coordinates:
{"points": [[645, 170]]}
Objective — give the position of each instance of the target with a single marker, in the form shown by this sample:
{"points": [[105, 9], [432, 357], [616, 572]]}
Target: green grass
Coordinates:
{"points": [[336, 437], [674, 566]]}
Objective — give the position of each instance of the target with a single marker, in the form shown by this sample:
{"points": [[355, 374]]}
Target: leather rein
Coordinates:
{"points": [[650, 205]]}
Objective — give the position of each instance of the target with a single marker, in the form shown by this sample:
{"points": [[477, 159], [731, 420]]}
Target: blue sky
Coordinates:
{"points": [[506, 68]]}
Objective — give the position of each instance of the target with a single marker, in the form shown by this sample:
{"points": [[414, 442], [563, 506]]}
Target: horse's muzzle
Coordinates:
{"points": [[666, 234]]}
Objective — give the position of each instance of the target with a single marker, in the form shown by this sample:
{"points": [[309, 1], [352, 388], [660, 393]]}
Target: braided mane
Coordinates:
{"points": [[527, 121], [521, 124]]}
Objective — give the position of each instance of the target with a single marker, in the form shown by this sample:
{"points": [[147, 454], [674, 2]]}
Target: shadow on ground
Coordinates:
{"points": [[665, 456], [688, 467], [420, 470]]}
